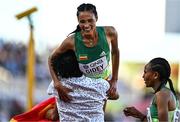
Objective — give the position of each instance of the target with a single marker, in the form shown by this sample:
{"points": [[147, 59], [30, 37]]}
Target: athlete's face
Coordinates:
{"points": [[148, 76], [87, 23]]}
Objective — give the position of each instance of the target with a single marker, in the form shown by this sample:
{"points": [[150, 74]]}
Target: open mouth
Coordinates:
{"points": [[86, 30]]}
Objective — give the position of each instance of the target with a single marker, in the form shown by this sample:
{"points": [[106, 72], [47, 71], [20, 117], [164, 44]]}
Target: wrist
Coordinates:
{"points": [[114, 79]]}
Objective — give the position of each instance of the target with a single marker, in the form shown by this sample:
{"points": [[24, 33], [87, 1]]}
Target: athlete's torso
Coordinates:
{"points": [[154, 110], [93, 61]]}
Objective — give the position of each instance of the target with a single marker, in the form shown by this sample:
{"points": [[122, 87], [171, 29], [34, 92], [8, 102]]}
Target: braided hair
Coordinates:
{"points": [[162, 66], [66, 65], [84, 7]]}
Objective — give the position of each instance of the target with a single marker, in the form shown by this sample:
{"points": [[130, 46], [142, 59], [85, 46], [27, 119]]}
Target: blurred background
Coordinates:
{"points": [[146, 29]]}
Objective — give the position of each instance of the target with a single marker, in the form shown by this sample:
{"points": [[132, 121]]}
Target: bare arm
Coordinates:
{"points": [[162, 105], [112, 37], [114, 52], [132, 111], [68, 43]]}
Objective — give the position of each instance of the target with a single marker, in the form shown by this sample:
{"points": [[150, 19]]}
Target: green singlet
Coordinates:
{"points": [[93, 61], [154, 111]]}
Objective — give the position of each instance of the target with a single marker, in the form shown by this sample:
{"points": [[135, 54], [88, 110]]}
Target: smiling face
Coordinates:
{"points": [[87, 23], [149, 76]]}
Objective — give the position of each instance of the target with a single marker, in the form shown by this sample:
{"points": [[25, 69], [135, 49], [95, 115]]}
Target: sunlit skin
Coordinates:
{"points": [[87, 18], [164, 99], [149, 77], [87, 22]]}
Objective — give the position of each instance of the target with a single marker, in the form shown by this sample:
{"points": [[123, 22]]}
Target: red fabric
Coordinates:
{"points": [[36, 113]]}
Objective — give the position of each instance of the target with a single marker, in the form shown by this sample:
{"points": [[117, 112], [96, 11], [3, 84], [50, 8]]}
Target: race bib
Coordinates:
{"points": [[149, 119], [176, 117], [94, 68]]}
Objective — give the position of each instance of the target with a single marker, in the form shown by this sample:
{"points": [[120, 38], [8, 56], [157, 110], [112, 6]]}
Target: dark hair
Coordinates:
{"points": [[66, 65], [162, 66], [85, 7]]}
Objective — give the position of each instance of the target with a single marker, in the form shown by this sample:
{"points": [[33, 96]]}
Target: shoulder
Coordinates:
{"points": [[69, 38], [111, 35], [110, 30], [163, 96], [68, 42]]}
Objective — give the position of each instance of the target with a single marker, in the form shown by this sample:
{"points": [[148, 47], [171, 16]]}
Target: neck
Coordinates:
{"points": [[90, 41], [157, 87]]}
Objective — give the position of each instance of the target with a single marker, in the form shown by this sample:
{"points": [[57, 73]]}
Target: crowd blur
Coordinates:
{"points": [[13, 57], [13, 60]]}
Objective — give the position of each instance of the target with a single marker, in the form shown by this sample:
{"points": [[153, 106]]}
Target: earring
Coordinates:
{"points": [[155, 77]]}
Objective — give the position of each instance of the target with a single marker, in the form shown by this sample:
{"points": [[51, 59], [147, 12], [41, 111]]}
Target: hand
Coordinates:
{"points": [[132, 111], [52, 113], [112, 92], [63, 92]]}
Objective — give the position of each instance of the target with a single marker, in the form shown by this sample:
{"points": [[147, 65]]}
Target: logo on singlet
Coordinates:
{"points": [[102, 54], [83, 57], [176, 115], [85, 66]]}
